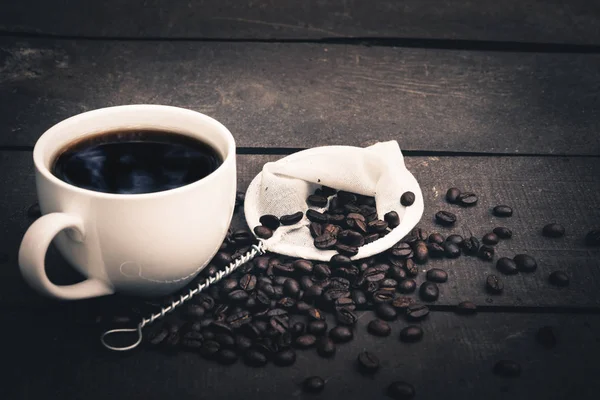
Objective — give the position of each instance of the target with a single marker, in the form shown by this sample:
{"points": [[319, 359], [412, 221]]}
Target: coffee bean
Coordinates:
{"points": [[502, 232], [275, 312], [378, 327], [242, 343], [467, 199], [456, 239], [303, 266], [490, 239], [238, 295], [445, 218], [486, 253], [209, 349], [507, 368], [437, 275], [248, 282], [471, 246], [377, 226], [322, 271], [317, 328], [559, 278], [388, 283], [194, 311], [351, 238], [224, 340], [261, 263], [553, 230], [392, 219], [279, 323], [325, 242], [452, 195], [401, 250], [593, 238], [255, 358], [341, 334], [525, 263], [397, 274], [359, 298], [507, 266], [371, 238], [313, 292], [306, 282], [384, 295], [402, 302], [305, 341], [411, 334], [417, 312], [345, 302], [386, 312], [421, 253], [284, 358], [451, 250], [400, 390], [375, 273], [242, 237], [229, 284], [436, 238], [351, 208], [407, 286], [338, 282], [502, 211], [494, 285], [344, 316], [291, 287], [368, 363], [315, 229], [327, 191], [315, 314], [270, 221], [238, 319], [429, 291], [436, 250], [157, 336], [346, 250], [325, 347], [221, 259], [466, 308], [545, 336], [291, 219], [316, 200], [313, 384]]}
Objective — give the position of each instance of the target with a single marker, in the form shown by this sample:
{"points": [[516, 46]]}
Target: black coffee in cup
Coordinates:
{"points": [[135, 161]]}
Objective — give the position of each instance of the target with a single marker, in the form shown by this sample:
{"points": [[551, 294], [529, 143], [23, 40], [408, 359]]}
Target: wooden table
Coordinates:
{"points": [[497, 97]]}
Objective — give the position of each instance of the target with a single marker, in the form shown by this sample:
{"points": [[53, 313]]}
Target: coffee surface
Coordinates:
{"points": [[135, 161]]}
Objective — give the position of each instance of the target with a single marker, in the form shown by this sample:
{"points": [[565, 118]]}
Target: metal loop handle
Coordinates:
{"points": [[256, 250]]}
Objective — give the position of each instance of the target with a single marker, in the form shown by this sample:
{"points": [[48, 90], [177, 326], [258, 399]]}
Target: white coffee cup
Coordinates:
{"points": [[142, 244]]}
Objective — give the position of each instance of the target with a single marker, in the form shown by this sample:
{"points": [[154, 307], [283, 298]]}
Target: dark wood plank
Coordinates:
{"points": [[511, 20], [453, 361], [540, 189], [302, 95]]}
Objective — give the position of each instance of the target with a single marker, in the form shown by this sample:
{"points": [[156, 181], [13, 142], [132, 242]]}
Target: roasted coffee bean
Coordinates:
{"points": [[351, 208], [270, 221], [445, 218], [284, 358], [388, 283], [369, 212], [242, 237], [261, 263], [344, 316], [401, 250], [407, 199], [248, 282], [325, 347], [316, 200], [346, 250], [456, 239], [392, 219], [242, 343], [553, 230], [305, 341], [238, 319], [507, 368], [545, 336], [502, 232], [407, 286], [351, 272], [368, 363], [359, 298], [321, 271], [279, 323], [429, 291], [323, 283], [325, 242], [315, 314], [238, 295], [384, 295], [397, 273], [340, 283], [417, 312], [291, 219], [559, 278], [297, 328], [313, 293], [220, 327], [341, 334], [507, 266], [316, 229], [436, 238], [471, 246], [291, 287], [208, 335], [209, 349], [157, 336], [494, 285], [386, 312], [206, 322], [276, 312], [436, 250], [333, 230], [402, 302], [224, 340], [452, 195], [345, 197], [286, 269], [263, 232], [490, 239], [194, 311], [400, 390], [229, 284], [278, 292], [351, 238], [327, 191], [255, 358], [333, 204], [451, 250], [375, 273], [315, 216], [437, 275], [378, 327], [377, 226], [365, 200], [221, 259], [313, 384], [593, 238], [411, 334], [371, 238], [345, 302], [421, 253], [503, 211], [525, 263], [466, 308], [486, 253], [306, 282], [317, 328], [356, 216], [467, 199]]}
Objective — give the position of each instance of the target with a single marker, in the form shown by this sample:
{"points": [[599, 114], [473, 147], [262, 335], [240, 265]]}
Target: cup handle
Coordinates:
{"points": [[33, 252]]}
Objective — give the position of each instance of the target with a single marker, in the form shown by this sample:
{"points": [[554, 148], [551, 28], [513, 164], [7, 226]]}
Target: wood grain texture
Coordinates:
{"points": [[303, 95], [453, 361], [540, 189], [512, 20]]}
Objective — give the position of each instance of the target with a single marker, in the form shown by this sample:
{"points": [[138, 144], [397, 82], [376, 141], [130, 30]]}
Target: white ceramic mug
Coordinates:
{"points": [[143, 244]]}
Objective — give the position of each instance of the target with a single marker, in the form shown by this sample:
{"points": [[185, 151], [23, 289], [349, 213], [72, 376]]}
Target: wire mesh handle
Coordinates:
{"points": [[256, 250]]}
